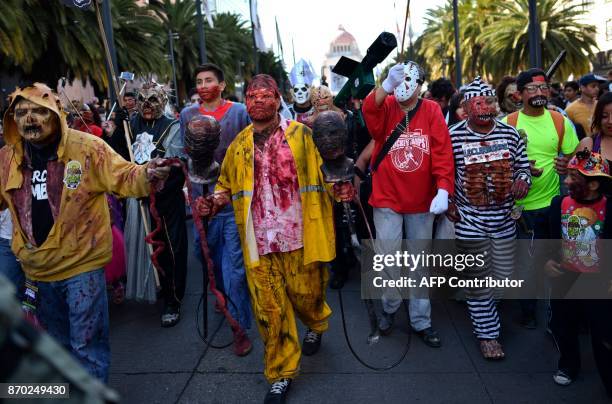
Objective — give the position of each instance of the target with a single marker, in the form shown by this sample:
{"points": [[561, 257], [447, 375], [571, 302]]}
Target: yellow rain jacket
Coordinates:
{"points": [[317, 213], [85, 170]]}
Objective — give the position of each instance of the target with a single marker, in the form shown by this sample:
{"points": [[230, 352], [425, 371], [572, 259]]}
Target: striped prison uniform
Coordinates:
{"points": [[484, 203]]}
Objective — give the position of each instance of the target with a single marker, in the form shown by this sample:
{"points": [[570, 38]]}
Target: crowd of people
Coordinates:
{"points": [[93, 205]]}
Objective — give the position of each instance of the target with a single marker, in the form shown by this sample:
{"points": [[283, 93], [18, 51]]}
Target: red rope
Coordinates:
{"points": [[159, 246]]}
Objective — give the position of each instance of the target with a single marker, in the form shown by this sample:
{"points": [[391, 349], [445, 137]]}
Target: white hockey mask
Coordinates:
{"points": [[301, 93], [412, 80]]}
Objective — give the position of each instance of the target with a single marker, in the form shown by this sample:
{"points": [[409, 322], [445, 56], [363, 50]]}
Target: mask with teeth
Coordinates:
{"points": [[151, 101], [538, 101], [481, 110], [301, 93], [35, 123]]}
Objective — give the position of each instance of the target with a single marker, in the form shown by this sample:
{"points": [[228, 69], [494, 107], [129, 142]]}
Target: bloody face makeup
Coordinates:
{"points": [[35, 123], [208, 86], [262, 104], [151, 101], [481, 110]]}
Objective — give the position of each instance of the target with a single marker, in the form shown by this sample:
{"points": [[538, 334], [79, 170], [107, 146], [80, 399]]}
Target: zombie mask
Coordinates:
{"points": [[262, 98], [511, 103], [480, 102], [301, 93], [35, 123], [202, 136], [481, 110], [413, 78], [151, 100], [322, 99], [329, 135]]}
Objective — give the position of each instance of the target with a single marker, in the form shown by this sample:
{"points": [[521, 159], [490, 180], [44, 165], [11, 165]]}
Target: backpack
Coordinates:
{"points": [[557, 118]]}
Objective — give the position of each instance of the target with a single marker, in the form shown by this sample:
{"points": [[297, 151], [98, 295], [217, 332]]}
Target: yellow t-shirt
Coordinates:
{"points": [[581, 114]]}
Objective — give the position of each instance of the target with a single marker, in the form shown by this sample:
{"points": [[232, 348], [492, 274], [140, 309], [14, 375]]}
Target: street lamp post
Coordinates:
{"points": [[202, 39], [172, 36], [535, 50], [457, 48]]}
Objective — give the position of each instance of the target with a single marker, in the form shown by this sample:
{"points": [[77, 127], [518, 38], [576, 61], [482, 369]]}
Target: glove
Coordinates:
{"points": [[395, 77], [439, 204]]}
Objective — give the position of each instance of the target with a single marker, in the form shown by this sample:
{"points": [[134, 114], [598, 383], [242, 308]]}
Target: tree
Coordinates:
{"points": [[494, 38], [560, 28]]}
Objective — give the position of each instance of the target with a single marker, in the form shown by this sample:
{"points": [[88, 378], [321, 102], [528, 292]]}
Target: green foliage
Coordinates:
{"points": [[494, 38], [44, 40]]}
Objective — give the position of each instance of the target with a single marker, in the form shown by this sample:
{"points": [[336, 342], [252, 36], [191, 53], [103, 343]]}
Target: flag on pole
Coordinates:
{"points": [[278, 40], [77, 3], [208, 13], [259, 41]]}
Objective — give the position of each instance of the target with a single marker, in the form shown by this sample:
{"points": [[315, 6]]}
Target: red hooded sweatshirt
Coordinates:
{"points": [[419, 163]]}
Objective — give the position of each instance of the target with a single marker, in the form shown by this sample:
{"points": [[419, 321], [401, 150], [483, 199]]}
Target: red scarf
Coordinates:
{"points": [[218, 113]]}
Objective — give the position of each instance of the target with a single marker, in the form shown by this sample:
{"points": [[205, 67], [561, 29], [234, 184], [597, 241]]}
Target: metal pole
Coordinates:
{"points": [[171, 36], [457, 47], [108, 25], [535, 51], [255, 55], [201, 37]]}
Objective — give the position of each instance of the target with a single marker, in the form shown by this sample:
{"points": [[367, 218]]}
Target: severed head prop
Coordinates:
{"points": [[202, 136], [329, 134], [151, 100]]}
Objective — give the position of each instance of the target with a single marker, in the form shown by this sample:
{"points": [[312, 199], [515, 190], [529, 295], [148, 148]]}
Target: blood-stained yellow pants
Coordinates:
{"points": [[279, 287]]}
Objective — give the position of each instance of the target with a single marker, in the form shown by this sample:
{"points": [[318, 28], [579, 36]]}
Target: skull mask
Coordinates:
{"points": [[35, 123], [151, 101], [413, 78], [301, 93]]}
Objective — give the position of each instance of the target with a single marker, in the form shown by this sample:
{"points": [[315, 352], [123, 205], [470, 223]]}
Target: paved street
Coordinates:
{"points": [[155, 365]]}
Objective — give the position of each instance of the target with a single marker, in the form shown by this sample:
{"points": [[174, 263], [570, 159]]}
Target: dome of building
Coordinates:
{"points": [[344, 43]]}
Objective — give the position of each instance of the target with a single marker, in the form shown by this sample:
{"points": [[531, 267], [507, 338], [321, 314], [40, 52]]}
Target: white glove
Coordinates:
{"points": [[395, 77], [439, 204]]}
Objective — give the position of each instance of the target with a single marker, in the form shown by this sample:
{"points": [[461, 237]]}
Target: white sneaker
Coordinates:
{"points": [[561, 378]]}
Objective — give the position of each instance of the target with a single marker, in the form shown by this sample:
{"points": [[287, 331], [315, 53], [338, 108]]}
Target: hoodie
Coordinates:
{"points": [[85, 170]]}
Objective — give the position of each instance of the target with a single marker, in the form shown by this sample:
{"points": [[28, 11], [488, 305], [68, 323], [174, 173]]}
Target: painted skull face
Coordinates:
{"points": [[151, 101], [262, 104], [301, 93], [412, 80], [322, 99], [35, 123], [481, 110]]}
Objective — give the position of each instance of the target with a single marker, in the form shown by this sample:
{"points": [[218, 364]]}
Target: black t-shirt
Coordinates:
{"points": [[42, 219]]}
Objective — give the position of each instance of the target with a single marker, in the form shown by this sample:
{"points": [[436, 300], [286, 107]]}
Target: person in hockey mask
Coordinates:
{"points": [[491, 171], [156, 135], [418, 153], [272, 176], [551, 141], [54, 182]]}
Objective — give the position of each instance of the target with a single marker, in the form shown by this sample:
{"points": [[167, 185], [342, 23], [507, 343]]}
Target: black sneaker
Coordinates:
{"points": [[385, 323], [430, 337], [278, 392], [311, 343], [338, 279], [171, 316]]}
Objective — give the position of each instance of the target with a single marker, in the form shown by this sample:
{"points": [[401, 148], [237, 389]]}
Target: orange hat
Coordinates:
{"points": [[590, 164]]}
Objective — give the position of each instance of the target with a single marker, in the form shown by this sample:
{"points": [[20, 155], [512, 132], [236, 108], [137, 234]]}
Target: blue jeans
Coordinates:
{"points": [[224, 244], [417, 226], [75, 312], [10, 267]]}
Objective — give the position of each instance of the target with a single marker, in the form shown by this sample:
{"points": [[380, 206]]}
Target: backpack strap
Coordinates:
{"points": [[559, 122], [513, 119]]}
